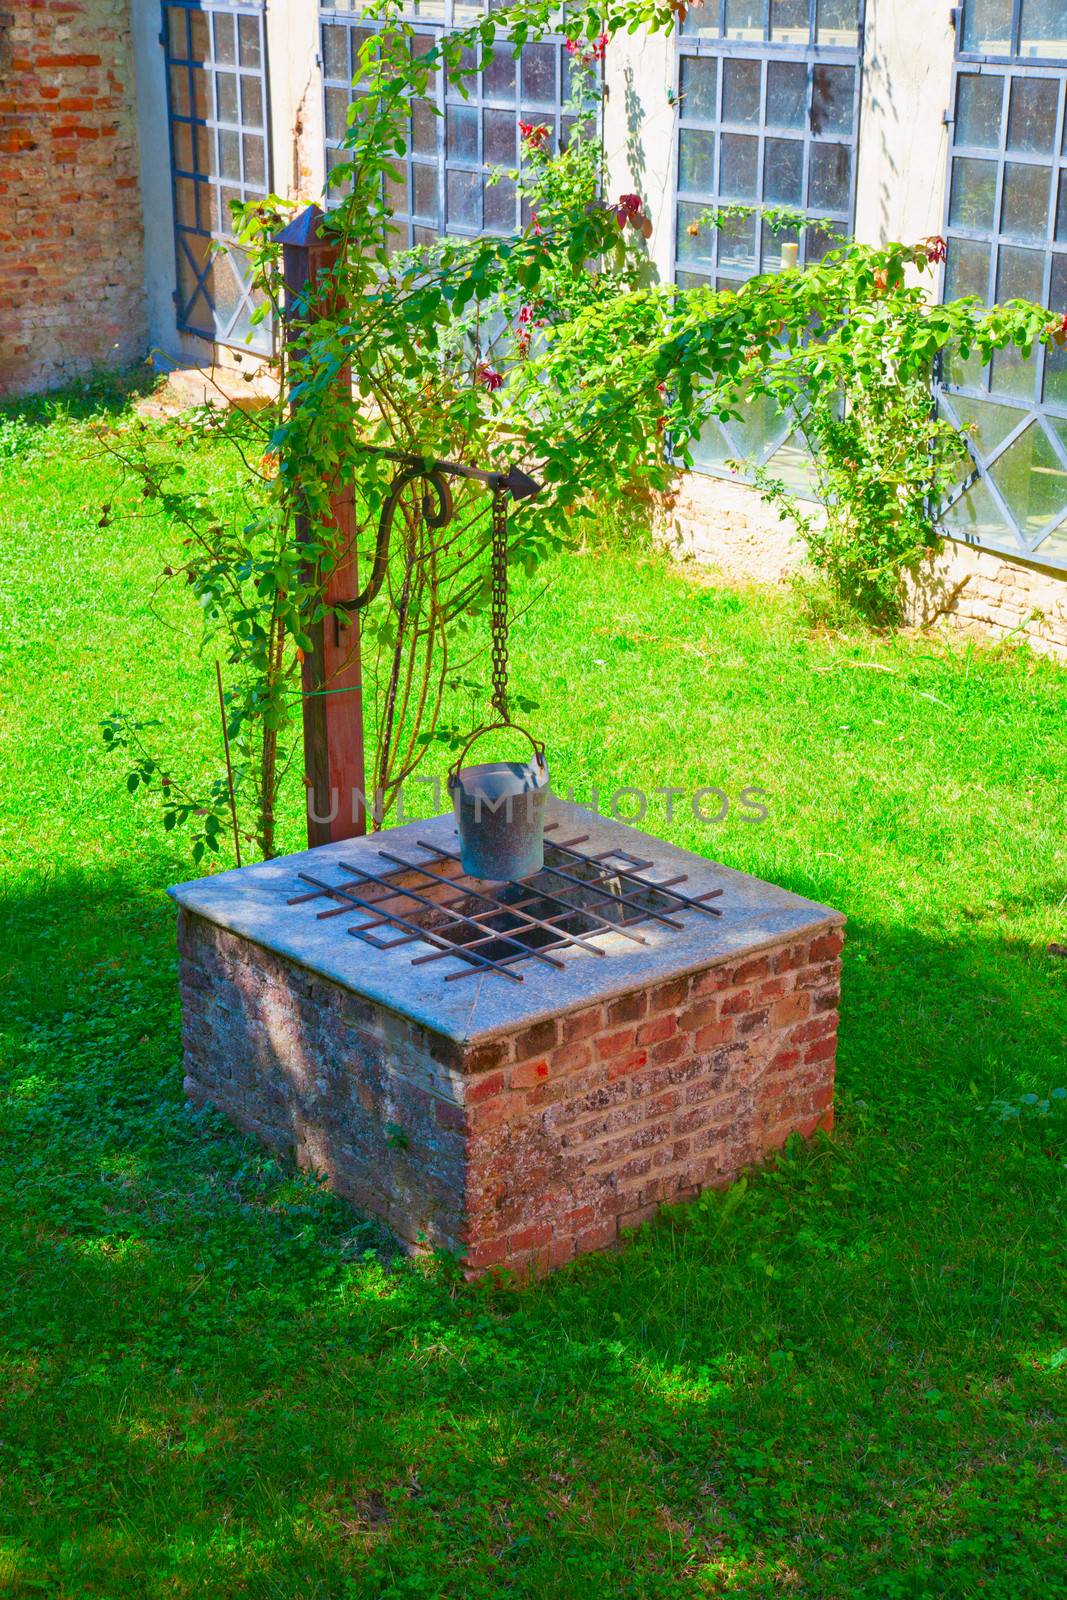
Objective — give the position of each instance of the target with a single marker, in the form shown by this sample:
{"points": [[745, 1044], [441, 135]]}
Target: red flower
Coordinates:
{"points": [[488, 376], [572, 47], [534, 134], [600, 46], [537, 228], [935, 247]]}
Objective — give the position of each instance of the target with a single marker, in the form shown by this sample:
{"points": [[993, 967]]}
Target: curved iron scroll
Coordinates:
{"points": [[436, 473]]}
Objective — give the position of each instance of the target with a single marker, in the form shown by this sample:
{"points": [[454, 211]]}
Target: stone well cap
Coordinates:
{"points": [[251, 902]]}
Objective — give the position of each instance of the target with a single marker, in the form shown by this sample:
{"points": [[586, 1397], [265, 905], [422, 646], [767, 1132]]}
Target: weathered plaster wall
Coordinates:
{"points": [[71, 293], [903, 141]]}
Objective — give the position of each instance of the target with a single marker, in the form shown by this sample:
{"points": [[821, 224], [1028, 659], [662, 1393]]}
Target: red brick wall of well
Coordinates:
{"points": [[526, 1150], [585, 1125], [71, 249]]}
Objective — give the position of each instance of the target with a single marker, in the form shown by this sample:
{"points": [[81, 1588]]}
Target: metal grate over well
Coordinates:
{"points": [[496, 927]]}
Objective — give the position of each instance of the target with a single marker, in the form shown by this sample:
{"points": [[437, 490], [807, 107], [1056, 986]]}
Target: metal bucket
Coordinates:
{"points": [[500, 812]]}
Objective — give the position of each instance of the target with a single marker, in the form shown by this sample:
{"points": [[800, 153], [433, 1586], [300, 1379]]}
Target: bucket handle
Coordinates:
{"points": [[492, 727]]}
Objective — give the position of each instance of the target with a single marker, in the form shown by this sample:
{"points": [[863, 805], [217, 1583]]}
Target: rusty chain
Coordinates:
{"points": [[499, 608]]}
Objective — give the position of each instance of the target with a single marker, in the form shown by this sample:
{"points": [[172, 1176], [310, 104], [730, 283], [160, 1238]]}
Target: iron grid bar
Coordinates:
{"points": [[379, 893], [498, 905], [405, 923]]}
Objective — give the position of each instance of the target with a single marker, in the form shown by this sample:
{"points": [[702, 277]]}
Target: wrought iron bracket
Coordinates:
{"points": [[437, 507]]}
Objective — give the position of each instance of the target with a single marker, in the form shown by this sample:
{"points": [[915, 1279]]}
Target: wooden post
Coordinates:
{"points": [[332, 677]]}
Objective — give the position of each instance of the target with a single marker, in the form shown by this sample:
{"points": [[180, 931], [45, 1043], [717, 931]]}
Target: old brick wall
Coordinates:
{"points": [[349, 1089], [71, 254], [586, 1124], [522, 1151], [726, 527]]}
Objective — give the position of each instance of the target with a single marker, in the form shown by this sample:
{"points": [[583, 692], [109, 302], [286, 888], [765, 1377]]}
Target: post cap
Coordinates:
{"points": [[303, 229]]}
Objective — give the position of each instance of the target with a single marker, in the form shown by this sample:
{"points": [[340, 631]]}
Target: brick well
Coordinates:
{"points": [[521, 1145]]}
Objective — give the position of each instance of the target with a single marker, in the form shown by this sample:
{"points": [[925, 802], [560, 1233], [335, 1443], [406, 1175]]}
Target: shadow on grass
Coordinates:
{"points": [[216, 1381], [102, 394]]}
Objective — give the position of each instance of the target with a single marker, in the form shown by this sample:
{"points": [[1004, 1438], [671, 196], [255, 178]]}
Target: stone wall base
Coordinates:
{"points": [[727, 527], [523, 1151]]}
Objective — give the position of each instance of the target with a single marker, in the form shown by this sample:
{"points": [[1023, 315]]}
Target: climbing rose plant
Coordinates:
{"points": [[545, 349]]}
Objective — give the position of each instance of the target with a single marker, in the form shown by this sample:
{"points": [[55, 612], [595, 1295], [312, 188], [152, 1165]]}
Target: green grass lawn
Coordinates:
{"points": [[845, 1379]]}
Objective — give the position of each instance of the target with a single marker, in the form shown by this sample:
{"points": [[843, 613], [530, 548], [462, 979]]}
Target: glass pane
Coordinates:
{"points": [[225, 291], [1032, 118], [1032, 481], [987, 423], [792, 464], [228, 198], [462, 133], [248, 41], [967, 270], [832, 90], [783, 172], [255, 161], [424, 121], [424, 192], [974, 194], [539, 74], [183, 146], [498, 130], [760, 427], [711, 448], [335, 53], [1053, 548], [225, 39], [979, 107], [737, 244], [976, 518], [226, 97], [180, 105], [787, 94], [1044, 29], [336, 114], [498, 80], [738, 155], [500, 205], [464, 200], [829, 177], [202, 99], [694, 239], [1055, 357], [790, 20], [185, 202], [837, 22], [1024, 214], [744, 19], [700, 76], [1019, 276], [771, 246], [701, 22], [200, 43], [741, 92], [1061, 209], [696, 161], [229, 155], [251, 102], [987, 27], [396, 191], [177, 32], [817, 243]]}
